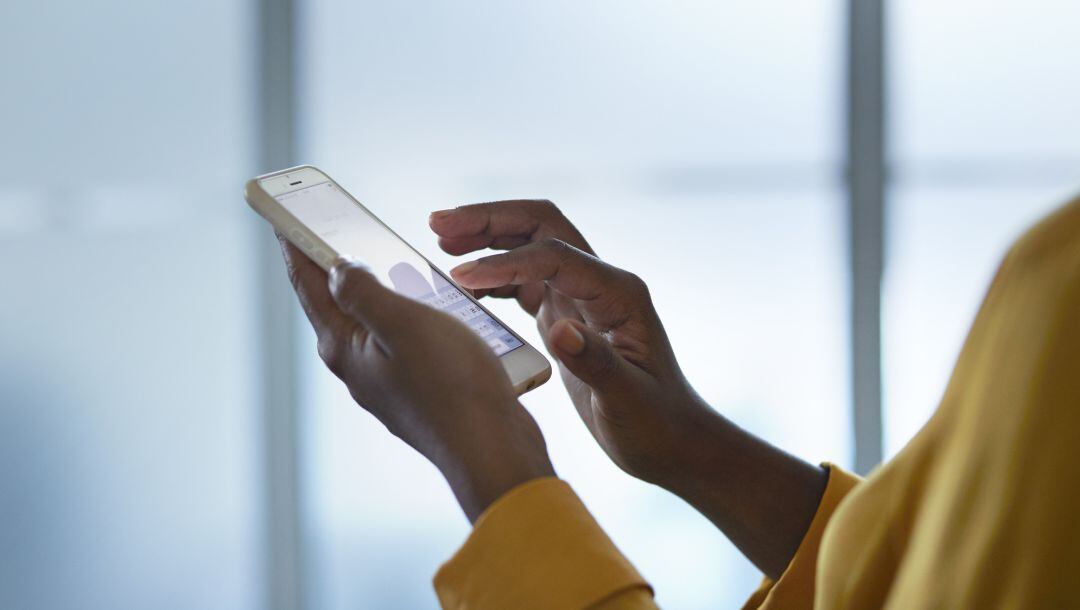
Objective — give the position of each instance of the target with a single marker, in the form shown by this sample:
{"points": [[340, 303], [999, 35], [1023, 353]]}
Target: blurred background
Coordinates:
{"points": [[817, 192]]}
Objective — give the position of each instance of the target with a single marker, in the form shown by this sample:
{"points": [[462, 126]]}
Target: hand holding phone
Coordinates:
{"points": [[428, 378], [326, 223]]}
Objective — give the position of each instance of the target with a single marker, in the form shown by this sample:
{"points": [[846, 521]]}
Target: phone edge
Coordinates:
{"points": [[285, 223]]}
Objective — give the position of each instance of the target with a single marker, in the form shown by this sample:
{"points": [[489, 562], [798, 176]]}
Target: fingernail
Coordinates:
{"points": [[464, 268], [440, 214], [570, 340]]}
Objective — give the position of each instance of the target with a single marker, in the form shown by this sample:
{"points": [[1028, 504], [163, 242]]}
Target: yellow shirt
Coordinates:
{"points": [[980, 510]]}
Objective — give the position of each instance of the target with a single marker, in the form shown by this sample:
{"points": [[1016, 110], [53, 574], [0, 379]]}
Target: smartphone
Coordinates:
{"points": [[325, 222]]}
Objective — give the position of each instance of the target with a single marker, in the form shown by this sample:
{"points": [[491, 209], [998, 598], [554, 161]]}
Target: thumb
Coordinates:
{"points": [[589, 356], [365, 299]]}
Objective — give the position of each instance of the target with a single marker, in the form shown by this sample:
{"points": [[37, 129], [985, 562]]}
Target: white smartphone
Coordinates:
{"points": [[326, 222]]}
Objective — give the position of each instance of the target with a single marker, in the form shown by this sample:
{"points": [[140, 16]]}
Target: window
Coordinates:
{"points": [[146, 359], [986, 140], [127, 465], [671, 136]]}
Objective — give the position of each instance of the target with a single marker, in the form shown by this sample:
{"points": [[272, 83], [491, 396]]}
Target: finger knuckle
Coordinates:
{"points": [[355, 273], [608, 361], [555, 214], [635, 285], [350, 278], [543, 207], [501, 261], [332, 353], [486, 205], [554, 245]]}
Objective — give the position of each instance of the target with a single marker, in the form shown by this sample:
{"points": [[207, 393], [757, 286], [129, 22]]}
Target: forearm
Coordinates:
{"points": [[501, 453], [761, 497]]}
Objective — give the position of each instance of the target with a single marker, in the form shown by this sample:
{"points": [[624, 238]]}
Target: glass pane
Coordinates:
{"points": [[761, 338], [990, 81], [945, 245], [670, 135], [126, 459], [985, 139], [572, 87]]}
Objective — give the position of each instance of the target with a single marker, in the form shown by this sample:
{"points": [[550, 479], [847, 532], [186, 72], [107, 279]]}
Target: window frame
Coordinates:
{"points": [[276, 57]]}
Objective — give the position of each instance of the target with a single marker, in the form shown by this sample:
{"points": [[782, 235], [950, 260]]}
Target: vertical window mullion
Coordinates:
{"points": [[275, 140], [865, 214]]}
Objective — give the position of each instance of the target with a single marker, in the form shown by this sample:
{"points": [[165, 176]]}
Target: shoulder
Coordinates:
{"points": [[1051, 245]]}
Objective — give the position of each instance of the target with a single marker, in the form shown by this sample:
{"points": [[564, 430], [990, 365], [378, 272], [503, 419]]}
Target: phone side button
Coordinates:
{"points": [[322, 256], [300, 239]]}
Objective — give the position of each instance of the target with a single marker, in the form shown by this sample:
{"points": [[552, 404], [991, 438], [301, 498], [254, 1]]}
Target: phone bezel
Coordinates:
{"points": [[525, 365]]}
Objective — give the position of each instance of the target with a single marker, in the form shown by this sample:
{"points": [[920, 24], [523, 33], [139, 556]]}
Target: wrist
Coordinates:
{"points": [[696, 431], [504, 450]]}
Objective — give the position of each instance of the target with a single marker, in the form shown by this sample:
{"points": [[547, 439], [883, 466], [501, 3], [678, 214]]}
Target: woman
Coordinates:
{"points": [[979, 510]]}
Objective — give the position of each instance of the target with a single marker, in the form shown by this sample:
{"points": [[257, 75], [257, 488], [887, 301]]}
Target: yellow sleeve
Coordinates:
{"points": [[795, 587], [538, 547], [1000, 526]]}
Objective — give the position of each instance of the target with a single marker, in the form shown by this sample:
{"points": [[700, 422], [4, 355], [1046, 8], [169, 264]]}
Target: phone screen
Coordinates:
{"points": [[352, 232]]}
